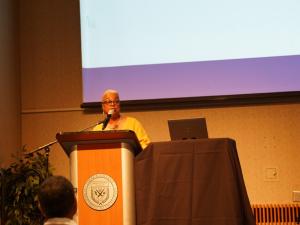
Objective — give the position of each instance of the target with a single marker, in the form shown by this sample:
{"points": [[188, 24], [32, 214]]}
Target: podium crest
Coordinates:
{"points": [[100, 192]]}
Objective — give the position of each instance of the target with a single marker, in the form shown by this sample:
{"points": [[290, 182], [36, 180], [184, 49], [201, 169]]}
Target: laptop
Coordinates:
{"points": [[183, 129]]}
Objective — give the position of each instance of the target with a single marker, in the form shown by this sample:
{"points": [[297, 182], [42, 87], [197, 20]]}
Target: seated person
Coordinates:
{"points": [[57, 201], [111, 101]]}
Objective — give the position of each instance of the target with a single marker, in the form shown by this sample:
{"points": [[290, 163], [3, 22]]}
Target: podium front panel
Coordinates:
{"points": [[94, 171]]}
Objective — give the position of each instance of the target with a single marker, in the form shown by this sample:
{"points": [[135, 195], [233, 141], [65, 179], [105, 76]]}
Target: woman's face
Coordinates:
{"points": [[111, 101]]}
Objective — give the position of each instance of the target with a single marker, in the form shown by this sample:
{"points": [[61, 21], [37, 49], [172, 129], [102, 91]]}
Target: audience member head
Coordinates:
{"points": [[57, 198]]}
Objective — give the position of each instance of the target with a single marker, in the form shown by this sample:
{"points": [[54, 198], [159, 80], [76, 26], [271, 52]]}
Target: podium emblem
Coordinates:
{"points": [[100, 192]]}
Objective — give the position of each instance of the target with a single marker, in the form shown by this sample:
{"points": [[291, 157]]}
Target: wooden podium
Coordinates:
{"points": [[102, 171]]}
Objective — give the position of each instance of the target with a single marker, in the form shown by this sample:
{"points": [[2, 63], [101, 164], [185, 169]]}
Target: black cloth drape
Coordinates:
{"points": [[191, 182]]}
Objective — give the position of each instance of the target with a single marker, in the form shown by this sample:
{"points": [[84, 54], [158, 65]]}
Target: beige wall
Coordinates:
{"points": [[10, 118], [266, 135]]}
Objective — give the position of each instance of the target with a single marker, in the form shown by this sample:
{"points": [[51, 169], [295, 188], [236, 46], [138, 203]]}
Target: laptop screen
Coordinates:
{"points": [[182, 129]]}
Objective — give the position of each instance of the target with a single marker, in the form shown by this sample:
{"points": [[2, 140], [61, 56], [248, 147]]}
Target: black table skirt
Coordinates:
{"points": [[191, 182]]}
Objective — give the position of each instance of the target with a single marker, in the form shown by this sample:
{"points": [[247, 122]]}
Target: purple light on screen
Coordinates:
{"points": [[195, 79]]}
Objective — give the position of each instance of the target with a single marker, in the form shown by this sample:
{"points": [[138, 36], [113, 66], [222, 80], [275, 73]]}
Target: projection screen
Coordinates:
{"points": [[158, 51]]}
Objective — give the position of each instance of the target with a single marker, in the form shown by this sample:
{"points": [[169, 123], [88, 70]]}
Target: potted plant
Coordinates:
{"points": [[19, 186]]}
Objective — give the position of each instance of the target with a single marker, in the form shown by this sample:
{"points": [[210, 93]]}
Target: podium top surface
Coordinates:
{"points": [[68, 139]]}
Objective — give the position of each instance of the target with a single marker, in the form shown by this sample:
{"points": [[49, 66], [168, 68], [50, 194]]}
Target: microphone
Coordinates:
{"points": [[109, 114]]}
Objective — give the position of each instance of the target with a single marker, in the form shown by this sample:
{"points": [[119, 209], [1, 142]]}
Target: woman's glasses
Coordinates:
{"points": [[110, 102]]}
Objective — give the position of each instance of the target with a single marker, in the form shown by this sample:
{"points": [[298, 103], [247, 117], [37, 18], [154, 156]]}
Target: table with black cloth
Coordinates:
{"points": [[191, 182]]}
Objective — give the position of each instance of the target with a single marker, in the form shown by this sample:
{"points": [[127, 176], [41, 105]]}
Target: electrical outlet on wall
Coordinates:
{"points": [[296, 196]]}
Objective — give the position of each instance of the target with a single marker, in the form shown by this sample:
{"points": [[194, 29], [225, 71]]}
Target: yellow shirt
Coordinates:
{"points": [[129, 123]]}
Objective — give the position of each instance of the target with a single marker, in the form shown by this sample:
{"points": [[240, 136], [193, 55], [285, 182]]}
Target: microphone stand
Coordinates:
{"points": [[46, 147]]}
